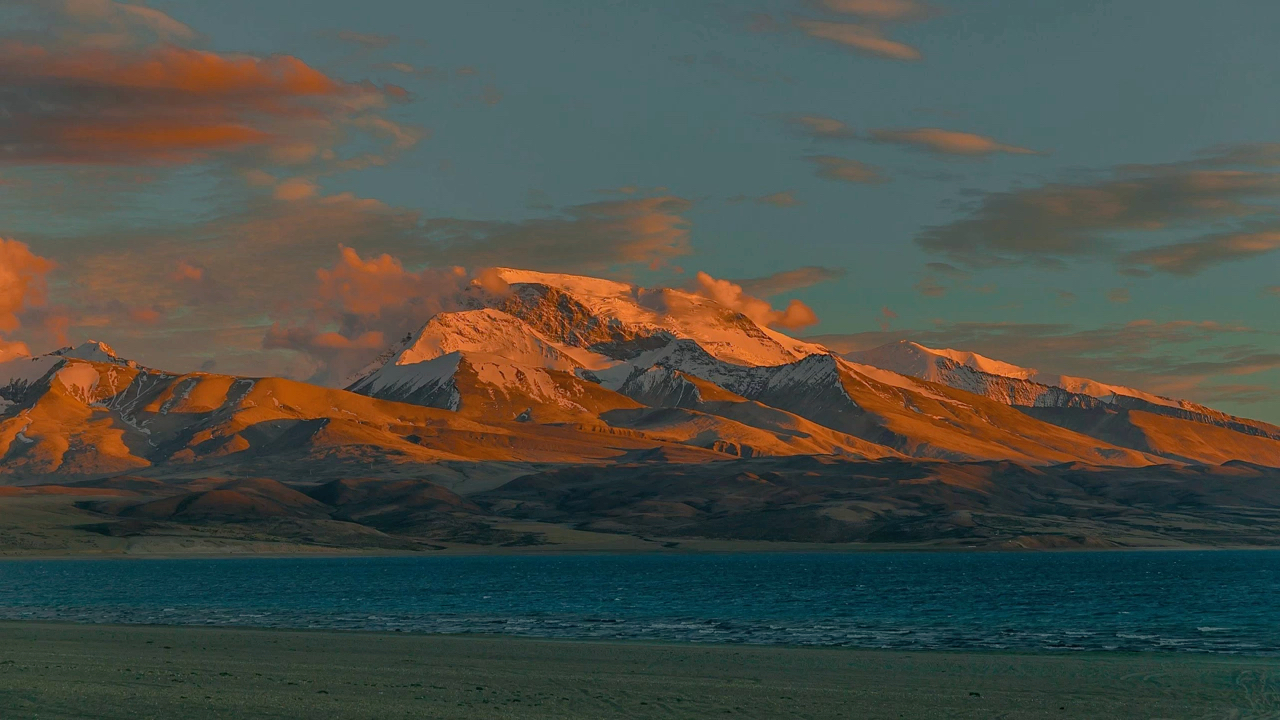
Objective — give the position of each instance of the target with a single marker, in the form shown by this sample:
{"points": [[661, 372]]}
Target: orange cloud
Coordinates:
{"points": [[861, 38], [22, 286], [898, 10], [166, 104], [846, 170], [360, 302], [796, 315], [366, 287], [821, 127], [947, 142]]}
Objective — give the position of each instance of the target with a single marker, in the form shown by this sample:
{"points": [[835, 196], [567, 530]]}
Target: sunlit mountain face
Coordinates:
{"points": [[564, 368]]}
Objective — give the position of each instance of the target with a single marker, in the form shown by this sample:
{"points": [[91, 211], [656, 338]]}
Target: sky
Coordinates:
{"points": [[1085, 187]]}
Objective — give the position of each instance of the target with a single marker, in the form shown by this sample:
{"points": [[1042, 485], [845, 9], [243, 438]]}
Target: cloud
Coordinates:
{"points": [[1189, 258], [221, 281], [1045, 225], [821, 128], [947, 142], [1118, 295], [930, 287], [864, 39], [887, 317], [846, 170], [786, 198], [105, 23], [148, 99], [359, 306], [594, 236], [796, 315], [368, 41], [22, 286], [948, 270], [1182, 358], [296, 189], [407, 69], [787, 280], [888, 10]]}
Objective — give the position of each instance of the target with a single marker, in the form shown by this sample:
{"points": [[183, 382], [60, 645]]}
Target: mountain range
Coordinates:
{"points": [[535, 375]]}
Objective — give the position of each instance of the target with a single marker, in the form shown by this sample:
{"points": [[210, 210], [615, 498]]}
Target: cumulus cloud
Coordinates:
{"points": [[787, 280], [864, 39], [820, 127], [846, 170], [1047, 224], [796, 315], [22, 286], [360, 305], [947, 142]]}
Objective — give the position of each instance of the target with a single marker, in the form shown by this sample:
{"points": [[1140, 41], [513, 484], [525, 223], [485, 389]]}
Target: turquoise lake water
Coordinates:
{"points": [[1208, 602]]}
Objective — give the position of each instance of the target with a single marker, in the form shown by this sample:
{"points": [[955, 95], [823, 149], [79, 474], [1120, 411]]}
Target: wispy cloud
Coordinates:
{"points": [[947, 142], [368, 41], [787, 280], [889, 10], [1189, 258], [864, 39], [820, 127], [141, 95], [847, 170], [786, 198], [1049, 224]]}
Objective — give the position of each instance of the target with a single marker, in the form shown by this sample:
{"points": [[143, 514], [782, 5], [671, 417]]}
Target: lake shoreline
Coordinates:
{"points": [[692, 548], [137, 671]]}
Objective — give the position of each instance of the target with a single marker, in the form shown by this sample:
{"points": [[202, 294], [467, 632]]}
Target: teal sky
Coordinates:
{"points": [[1086, 187]]}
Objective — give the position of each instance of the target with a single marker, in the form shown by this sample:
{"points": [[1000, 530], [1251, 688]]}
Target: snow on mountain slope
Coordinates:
{"points": [[977, 374], [487, 331], [615, 318], [87, 418], [562, 344], [95, 351], [1175, 429]]}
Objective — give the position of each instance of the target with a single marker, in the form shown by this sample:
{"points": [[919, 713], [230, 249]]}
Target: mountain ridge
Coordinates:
{"points": [[540, 367]]}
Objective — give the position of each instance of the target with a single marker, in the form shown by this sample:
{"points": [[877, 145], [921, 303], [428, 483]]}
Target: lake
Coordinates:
{"points": [[1172, 601]]}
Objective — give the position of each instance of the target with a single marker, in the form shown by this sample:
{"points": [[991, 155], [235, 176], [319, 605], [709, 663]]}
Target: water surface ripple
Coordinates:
{"points": [[1208, 602]]}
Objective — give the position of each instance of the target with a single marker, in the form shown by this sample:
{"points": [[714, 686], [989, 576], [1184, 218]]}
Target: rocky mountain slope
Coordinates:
{"points": [[558, 368], [1168, 427], [553, 408]]}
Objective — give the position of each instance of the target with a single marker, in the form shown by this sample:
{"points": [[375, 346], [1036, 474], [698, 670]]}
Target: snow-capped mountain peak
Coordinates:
{"points": [[92, 350]]}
